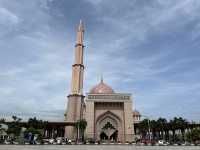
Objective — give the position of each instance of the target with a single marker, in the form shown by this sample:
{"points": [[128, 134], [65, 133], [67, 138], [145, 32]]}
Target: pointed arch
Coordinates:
{"points": [[106, 117], [107, 114]]}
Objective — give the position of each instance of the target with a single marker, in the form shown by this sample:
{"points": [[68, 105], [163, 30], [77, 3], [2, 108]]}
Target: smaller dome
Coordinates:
{"points": [[101, 88], [136, 113]]}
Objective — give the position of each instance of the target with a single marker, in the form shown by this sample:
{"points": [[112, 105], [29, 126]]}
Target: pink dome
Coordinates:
{"points": [[101, 88], [136, 113]]}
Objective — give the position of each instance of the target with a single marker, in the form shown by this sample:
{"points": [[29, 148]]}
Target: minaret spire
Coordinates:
{"points": [[101, 78], [81, 27], [78, 67]]}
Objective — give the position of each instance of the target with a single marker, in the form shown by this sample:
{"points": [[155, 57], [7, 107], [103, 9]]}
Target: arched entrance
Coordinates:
{"points": [[108, 132], [108, 126]]}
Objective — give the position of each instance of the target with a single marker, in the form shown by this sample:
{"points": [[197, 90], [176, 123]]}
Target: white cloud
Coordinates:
{"points": [[95, 2], [38, 73], [8, 18]]}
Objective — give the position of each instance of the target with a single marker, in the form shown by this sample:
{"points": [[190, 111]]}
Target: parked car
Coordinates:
{"points": [[163, 143], [59, 140], [7, 142], [69, 141], [15, 142], [51, 141], [160, 142], [66, 141]]}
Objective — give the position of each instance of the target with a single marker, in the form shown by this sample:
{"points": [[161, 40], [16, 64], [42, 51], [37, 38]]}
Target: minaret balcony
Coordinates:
{"points": [[79, 44], [81, 65]]}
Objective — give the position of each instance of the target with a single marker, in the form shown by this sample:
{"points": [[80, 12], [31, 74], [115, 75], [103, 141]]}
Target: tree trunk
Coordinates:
{"points": [[162, 135], [183, 132], [173, 135]]}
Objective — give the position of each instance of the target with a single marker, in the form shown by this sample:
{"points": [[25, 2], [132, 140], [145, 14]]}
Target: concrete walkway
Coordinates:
{"points": [[95, 147]]}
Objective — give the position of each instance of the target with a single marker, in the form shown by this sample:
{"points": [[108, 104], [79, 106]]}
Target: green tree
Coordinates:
{"points": [[14, 127], [36, 127], [81, 126], [2, 130], [182, 125], [144, 127], [178, 124], [35, 123], [34, 131], [173, 127], [161, 122], [154, 128], [193, 135], [2, 120]]}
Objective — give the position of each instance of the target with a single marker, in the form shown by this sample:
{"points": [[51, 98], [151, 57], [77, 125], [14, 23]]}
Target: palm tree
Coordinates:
{"points": [[144, 127], [173, 127], [182, 125], [166, 130], [81, 126], [193, 135], [153, 125], [161, 124], [178, 124]]}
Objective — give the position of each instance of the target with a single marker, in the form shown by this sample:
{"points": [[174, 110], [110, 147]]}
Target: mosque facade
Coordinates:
{"points": [[109, 114]]}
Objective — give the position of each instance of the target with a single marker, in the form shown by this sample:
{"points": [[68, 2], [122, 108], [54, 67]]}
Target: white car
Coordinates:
{"points": [[16, 143], [59, 140], [163, 143], [7, 142], [160, 142], [69, 141], [51, 141]]}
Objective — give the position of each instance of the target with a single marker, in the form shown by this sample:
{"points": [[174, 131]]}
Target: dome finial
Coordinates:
{"points": [[101, 78], [102, 88]]}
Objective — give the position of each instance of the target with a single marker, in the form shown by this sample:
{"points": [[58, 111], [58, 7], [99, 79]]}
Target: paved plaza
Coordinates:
{"points": [[95, 147]]}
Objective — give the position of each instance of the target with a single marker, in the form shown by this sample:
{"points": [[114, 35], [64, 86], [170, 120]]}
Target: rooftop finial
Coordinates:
{"points": [[101, 78], [80, 27]]}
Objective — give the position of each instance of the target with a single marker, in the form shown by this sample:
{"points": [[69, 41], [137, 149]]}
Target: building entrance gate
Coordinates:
{"points": [[108, 133], [108, 127]]}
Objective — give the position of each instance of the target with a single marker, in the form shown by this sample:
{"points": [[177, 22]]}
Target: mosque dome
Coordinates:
{"points": [[101, 88], [136, 113]]}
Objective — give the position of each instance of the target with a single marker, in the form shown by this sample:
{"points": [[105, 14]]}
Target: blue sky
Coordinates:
{"points": [[149, 48]]}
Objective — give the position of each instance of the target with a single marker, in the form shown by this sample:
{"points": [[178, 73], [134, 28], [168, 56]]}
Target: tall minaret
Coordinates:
{"points": [[75, 104], [78, 67]]}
